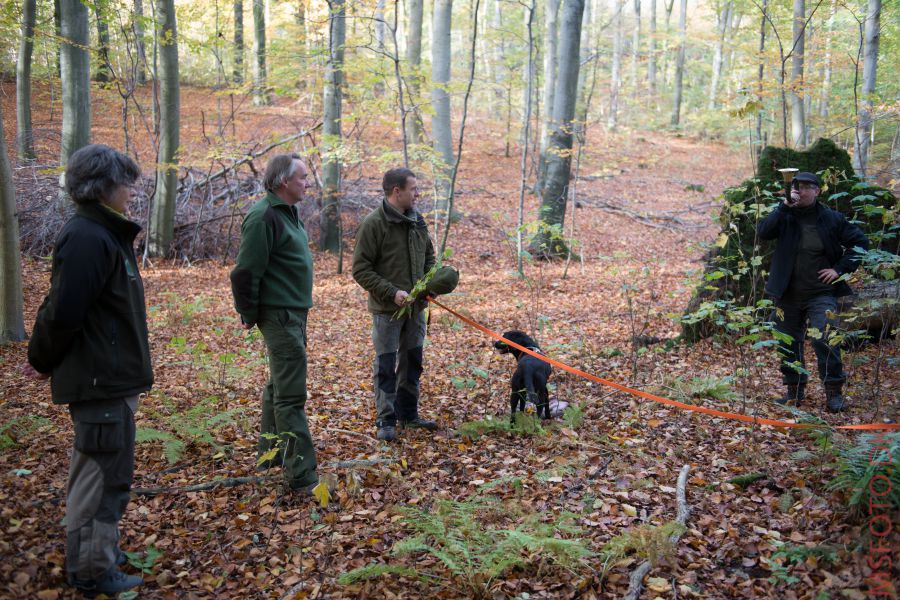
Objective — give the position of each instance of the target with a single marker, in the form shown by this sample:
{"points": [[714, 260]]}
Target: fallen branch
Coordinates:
{"points": [[636, 581], [200, 487], [355, 433], [236, 481]]}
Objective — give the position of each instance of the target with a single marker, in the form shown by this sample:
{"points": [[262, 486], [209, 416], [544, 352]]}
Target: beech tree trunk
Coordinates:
{"points": [[798, 113], [238, 67], [870, 64], [260, 93], [330, 223], [825, 93], [140, 59], [12, 324], [414, 129], [723, 19], [162, 215], [103, 73], [651, 52], [440, 99], [615, 80], [679, 64], [760, 89], [25, 135], [635, 48], [75, 68], [378, 88], [551, 10], [498, 66], [549, 242]]}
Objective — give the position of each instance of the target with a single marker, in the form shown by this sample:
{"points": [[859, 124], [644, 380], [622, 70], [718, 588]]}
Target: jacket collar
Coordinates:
{"points": [[394, 216], [115, 222]]}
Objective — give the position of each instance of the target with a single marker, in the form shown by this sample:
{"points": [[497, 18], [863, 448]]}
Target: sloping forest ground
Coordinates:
{"points": [[647, 205]]}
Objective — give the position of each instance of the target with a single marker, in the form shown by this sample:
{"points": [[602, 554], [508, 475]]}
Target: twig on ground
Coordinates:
{"points": [[356, 433], [636, 581]]}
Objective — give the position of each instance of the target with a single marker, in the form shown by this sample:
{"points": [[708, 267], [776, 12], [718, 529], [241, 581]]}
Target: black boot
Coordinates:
{"points": [[834, 399], [794, 394]]}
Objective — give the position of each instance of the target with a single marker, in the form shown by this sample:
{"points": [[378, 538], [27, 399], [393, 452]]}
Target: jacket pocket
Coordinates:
{"points": [[99, 426]]}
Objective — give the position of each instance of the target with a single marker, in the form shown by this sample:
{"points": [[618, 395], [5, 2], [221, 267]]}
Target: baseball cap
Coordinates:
{"points": [[807, 178]]}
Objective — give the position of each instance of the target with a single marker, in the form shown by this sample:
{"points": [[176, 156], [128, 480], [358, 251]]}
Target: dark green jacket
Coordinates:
{"points": [[392, 252], [90, 332], [274, 266]]}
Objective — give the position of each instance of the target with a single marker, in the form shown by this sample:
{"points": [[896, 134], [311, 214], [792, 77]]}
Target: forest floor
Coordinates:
{"points": [[648, 204]]}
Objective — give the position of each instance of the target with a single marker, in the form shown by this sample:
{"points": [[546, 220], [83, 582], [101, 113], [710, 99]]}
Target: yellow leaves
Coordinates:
{"points": [[267, 456], [629, 510], [722, 240], [322, 494]]}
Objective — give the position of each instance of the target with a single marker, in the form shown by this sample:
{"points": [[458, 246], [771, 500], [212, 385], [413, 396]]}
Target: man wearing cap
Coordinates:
{"points": [[814, 249], [393, 251]]}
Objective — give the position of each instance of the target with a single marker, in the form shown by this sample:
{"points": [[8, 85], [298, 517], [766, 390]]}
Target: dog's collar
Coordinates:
{"points": [[534, 349]]}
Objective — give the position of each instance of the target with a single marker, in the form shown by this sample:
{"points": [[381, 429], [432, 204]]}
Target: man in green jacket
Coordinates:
{"points": [[393, 251], [272, 288]]}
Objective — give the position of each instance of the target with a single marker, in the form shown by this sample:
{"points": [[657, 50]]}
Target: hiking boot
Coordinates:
{"points": [[419, 423], [834, 399], [387, 433], [793, 395], [305, 489], [112, 583]]}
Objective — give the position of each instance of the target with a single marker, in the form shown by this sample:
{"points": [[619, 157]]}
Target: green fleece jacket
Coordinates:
{"points": [[392, 252], [274, 266]]}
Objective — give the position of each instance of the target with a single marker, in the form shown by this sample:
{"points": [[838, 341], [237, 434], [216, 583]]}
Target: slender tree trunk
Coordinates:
{"points": [[581, 107], [548, 242], [669, 6], [414, 129], [615, 80], [499, 63], [75, 65], [238, 70], [12, 324], [870, 65], [440, 99], [826, 64], [635, 48], [526, 129], [162, 215], [651, 51], [551, 11], [330, 239], [378, 88], [141, 52], [25, 136], [57, 28], [679, 64], [798, 116], [723, 20], [260, 91], [760, 88], [103, 73]]}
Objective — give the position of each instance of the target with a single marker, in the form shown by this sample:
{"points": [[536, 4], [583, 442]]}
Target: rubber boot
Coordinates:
{"points": [[834, 399], [793, 395]]}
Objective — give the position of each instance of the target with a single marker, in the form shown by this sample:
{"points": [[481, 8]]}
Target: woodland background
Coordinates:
{"points": [[582, 158]]}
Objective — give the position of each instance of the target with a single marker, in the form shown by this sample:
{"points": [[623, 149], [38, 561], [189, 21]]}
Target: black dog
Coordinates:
{"points": [[529, 382]]}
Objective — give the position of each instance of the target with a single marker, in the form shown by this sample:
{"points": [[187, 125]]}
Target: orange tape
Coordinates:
{"points": [[655, 398]]}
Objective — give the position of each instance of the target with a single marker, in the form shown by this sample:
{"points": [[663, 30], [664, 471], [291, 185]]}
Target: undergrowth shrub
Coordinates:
{"points": [[648, 542], [14, 432], [479, 539], [198, 425], [872, 463], [523, 424]]}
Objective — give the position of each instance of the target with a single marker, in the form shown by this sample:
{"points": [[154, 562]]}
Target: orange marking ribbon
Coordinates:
{"points": [[653, 397]]}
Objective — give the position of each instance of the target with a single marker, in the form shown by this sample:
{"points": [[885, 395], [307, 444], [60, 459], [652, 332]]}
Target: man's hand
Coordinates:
{"points": [[792, 199], [828, 275], [400, 297], [32, 373]]}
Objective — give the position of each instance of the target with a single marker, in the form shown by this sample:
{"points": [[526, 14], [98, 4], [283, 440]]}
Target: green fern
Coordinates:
{"points": [[468, 538], [573, 416], [873, 456], [523, 424], [198, 425], [376, 570], [16, 430], [646, 541]]}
